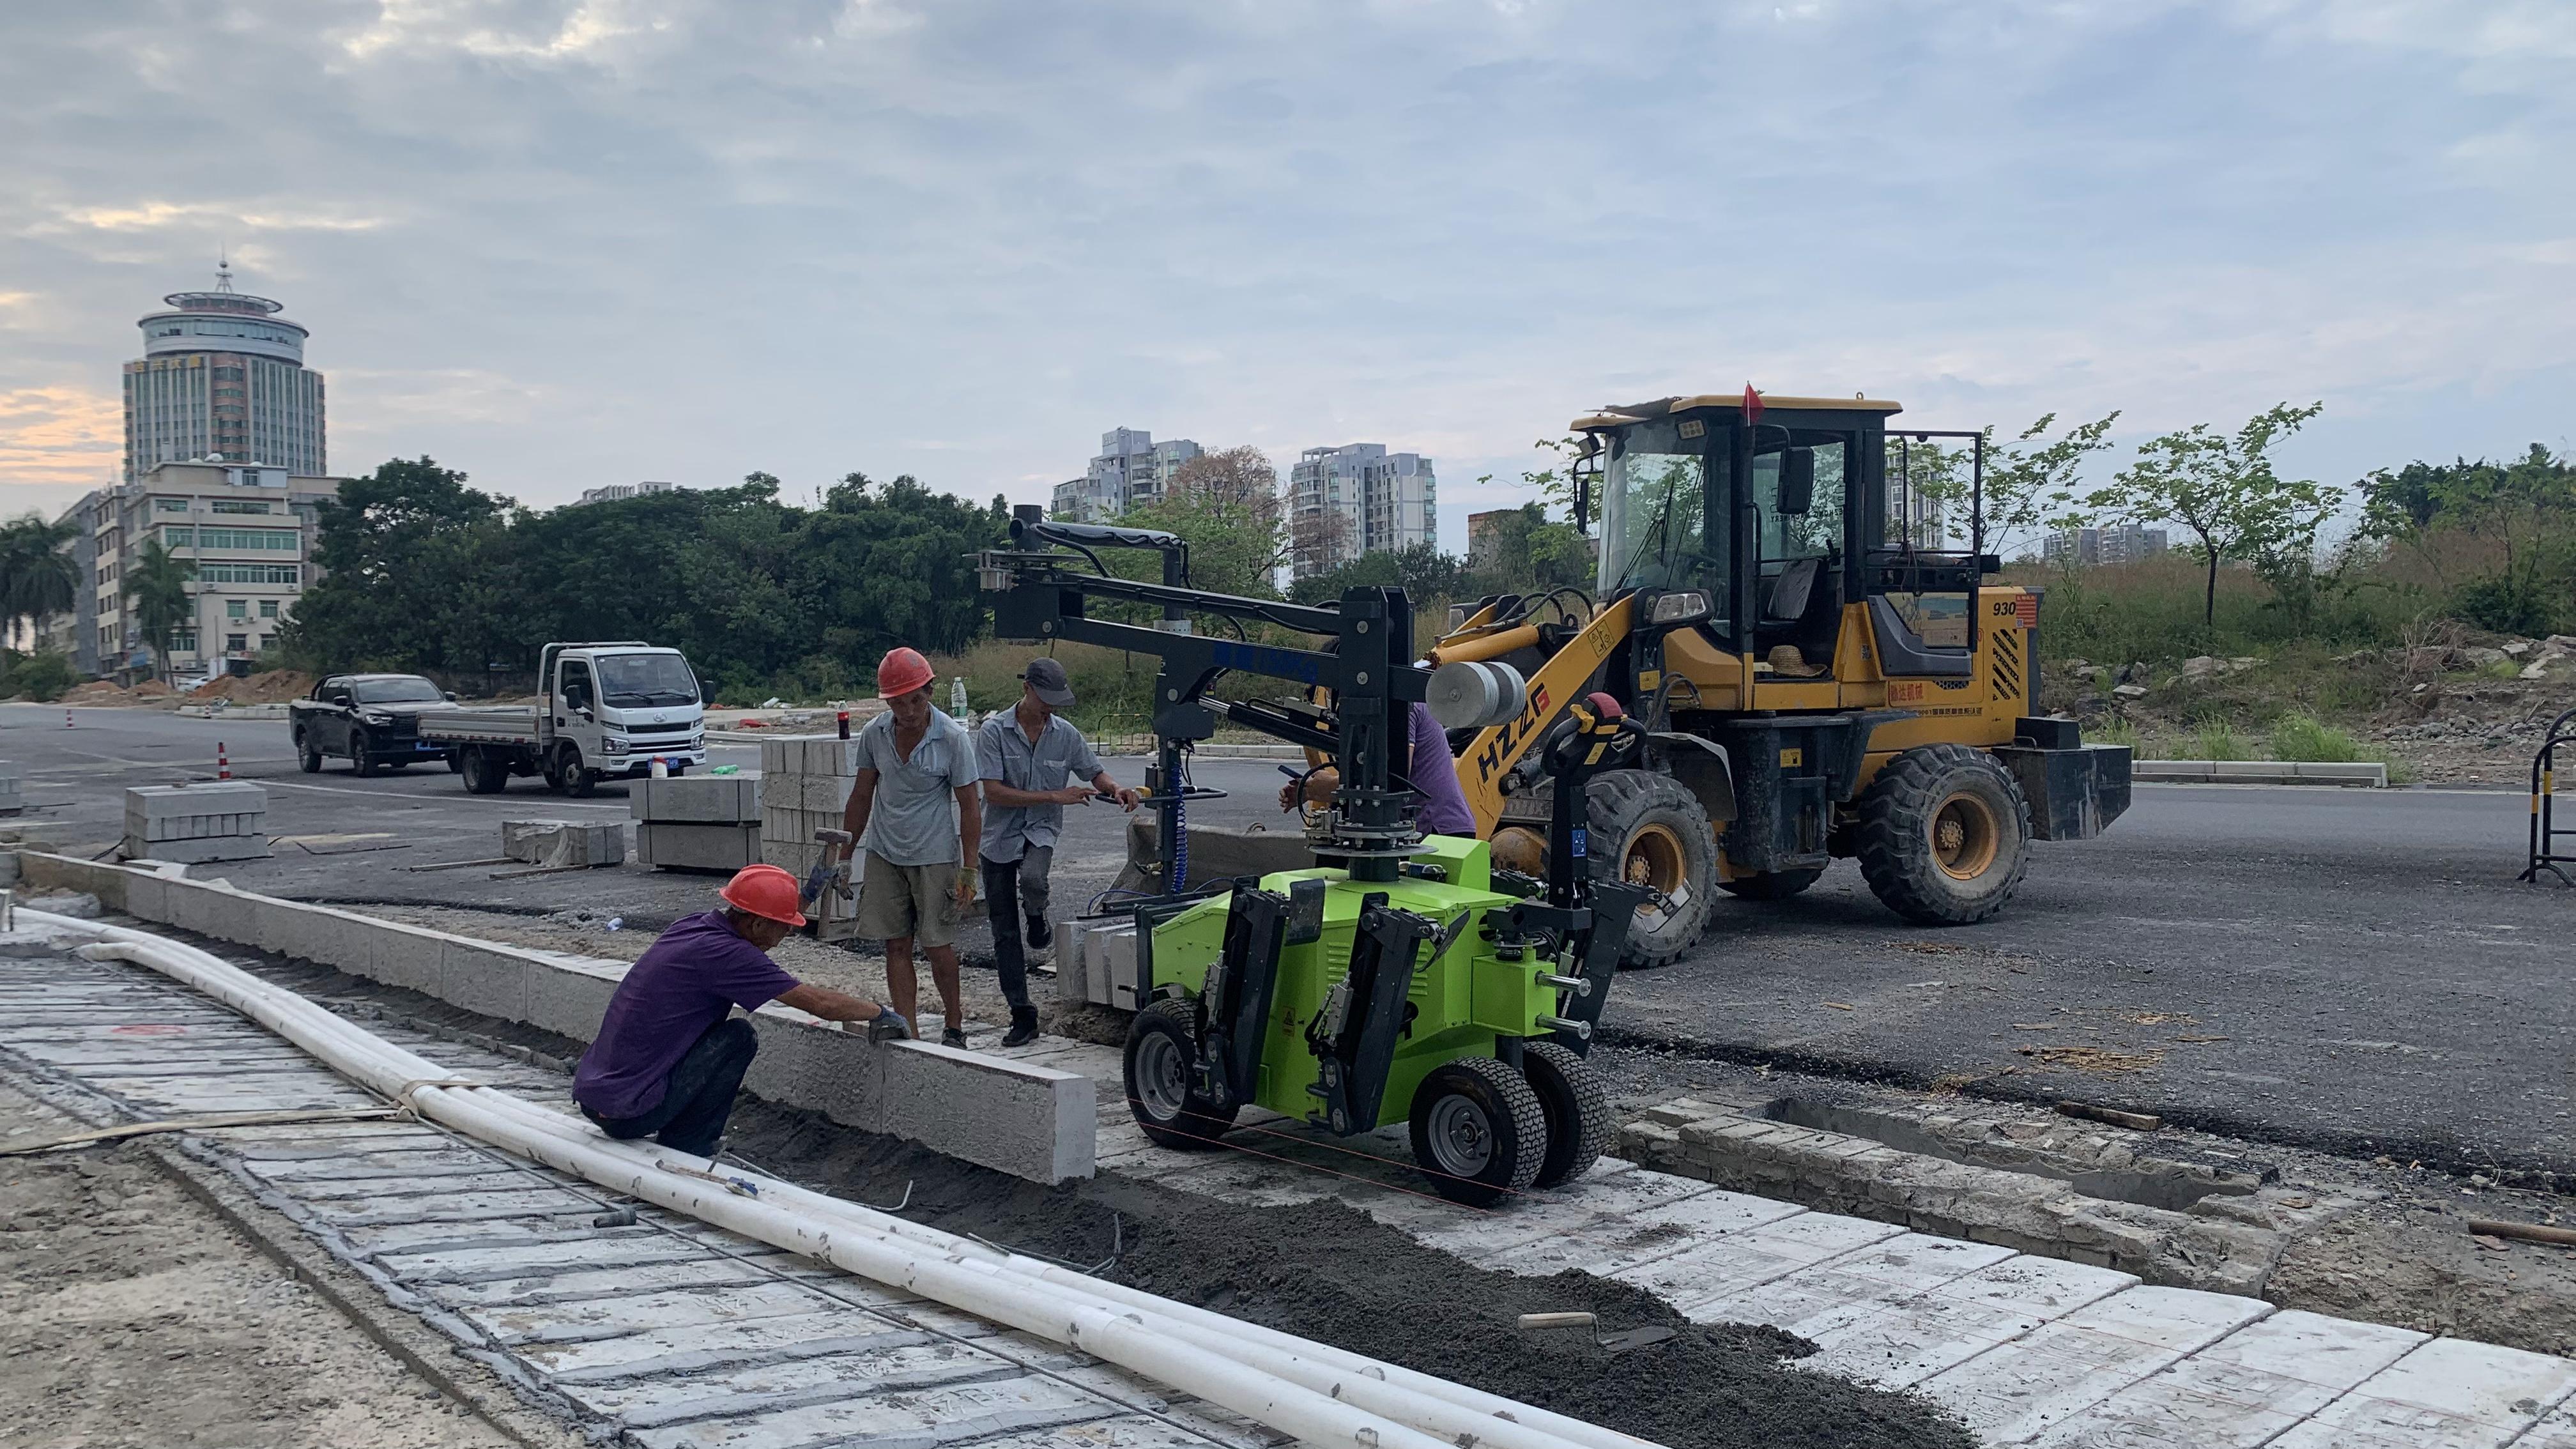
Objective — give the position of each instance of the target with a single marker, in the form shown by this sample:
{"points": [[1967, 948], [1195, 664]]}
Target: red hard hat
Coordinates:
{"points": [[766, 891], [901, 672]]}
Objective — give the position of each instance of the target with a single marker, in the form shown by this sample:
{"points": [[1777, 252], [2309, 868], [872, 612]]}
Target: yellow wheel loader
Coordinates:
{"points": [[1805, 631]]}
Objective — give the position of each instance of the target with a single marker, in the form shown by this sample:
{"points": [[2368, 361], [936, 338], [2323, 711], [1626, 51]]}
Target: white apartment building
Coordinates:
{"points": [[615, 491], [1131, 471], [1359, 498], [247, 529], [2121, 543]]}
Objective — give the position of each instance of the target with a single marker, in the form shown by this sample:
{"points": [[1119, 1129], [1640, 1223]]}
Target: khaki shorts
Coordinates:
{"points": [[919, 901]]}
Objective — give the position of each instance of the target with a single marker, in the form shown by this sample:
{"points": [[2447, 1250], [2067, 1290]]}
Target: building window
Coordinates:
{"points": [[236, 608], [268, 608], [178, 537], [171, 505], [237, 643], [220, 573], [183, 641], [239, 505]]}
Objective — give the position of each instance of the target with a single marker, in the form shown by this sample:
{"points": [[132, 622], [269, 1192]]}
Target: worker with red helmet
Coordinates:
{"points": [[914, 809], [670, 1054]]}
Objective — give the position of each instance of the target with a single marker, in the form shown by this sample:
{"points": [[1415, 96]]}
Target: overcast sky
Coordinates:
{"points": [[561, 243]]}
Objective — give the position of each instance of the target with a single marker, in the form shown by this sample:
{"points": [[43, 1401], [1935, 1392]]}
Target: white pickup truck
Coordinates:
{"points": [[610, 710]]}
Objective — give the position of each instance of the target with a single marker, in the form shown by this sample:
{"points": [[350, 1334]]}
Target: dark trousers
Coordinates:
{"points": [[698, 1095], [1010, 956]]}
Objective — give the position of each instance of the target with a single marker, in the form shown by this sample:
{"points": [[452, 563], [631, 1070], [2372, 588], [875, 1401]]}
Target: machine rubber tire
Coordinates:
{"points": [[1944, 835], [483, 774], [456, 762], [1161, 1052], [1577, 1108], [1771, 885], [308, 755], [1479, 1132], [1650, 827], [362, 753]]}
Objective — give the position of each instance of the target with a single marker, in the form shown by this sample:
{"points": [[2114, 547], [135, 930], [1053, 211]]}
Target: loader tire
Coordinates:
{"points": [[1944, 835], [1479, 1133], [1161, 1057], [1577, 1108], [1649, 829], [1771, 885]]}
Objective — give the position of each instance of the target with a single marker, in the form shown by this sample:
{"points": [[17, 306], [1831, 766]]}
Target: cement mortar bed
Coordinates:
{"points": [[1322, 1270]]}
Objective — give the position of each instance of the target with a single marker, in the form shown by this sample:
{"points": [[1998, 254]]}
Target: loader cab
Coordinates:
{"points": [[1754, 537]]}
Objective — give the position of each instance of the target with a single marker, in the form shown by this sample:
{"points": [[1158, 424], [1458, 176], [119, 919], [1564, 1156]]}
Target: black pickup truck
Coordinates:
{"points": [[370, 720]]}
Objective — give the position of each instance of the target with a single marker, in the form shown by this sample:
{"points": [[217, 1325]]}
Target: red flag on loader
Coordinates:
{"points": [[1752, 406]]}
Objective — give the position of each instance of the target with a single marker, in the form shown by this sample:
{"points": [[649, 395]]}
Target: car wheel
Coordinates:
{"points": [[362, 753], [571, 778], [307, 753]]}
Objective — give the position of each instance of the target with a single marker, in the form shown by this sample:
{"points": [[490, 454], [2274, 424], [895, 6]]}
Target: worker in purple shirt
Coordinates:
{"points": [[1425, 763], [670, 1054]]}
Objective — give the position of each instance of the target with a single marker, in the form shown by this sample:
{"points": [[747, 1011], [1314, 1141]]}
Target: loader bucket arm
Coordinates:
{"points": [[1493, 752]]}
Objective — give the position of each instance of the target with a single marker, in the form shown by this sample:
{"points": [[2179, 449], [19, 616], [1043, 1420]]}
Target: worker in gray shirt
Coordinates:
{"points": [[1027, 752]]}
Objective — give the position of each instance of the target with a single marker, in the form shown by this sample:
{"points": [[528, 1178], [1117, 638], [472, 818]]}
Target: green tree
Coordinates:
{"points": [[37, 577], [2224, 489], [157, 588], [2517, 521], [415, 575]]}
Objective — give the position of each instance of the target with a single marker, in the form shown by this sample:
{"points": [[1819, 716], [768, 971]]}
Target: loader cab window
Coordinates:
{"points": [[1657, 527], [1923, 550], [1796, 493]]}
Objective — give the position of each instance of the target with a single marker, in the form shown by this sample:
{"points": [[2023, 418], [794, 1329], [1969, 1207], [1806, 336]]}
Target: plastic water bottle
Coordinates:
{"points": [[661, 768], [957, 699]]}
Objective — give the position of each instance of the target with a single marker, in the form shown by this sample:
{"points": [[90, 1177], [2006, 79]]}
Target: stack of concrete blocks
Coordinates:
{"points": [[1095, 962], [13, 787], [804, 786], [697, 822], [564, 842], [217, 820]]}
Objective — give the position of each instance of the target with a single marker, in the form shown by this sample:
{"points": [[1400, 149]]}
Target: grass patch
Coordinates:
{"points": [[2117, 730], [2297, 737], [2213, 738]]}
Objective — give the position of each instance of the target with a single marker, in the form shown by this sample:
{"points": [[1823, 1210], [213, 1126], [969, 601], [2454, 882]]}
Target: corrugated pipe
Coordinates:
{"points": [[1313, 1391]]}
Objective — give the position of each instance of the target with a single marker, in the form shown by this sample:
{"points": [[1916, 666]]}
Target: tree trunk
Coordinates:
{"points": [[2209, 597]]}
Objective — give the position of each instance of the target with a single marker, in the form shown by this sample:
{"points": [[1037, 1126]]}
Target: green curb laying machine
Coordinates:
{"points": [[1403, 977]]}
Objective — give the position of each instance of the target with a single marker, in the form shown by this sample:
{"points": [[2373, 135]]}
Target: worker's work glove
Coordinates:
{"points": [[887, 1025]]}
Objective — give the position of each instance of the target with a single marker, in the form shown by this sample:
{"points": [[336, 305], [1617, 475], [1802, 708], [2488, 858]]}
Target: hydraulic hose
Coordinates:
{"points": [[1302, 1388]]}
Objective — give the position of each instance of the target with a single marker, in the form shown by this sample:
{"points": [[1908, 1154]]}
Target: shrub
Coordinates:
{"points": [[40, 677], [2297, 737], [2216, 739]]}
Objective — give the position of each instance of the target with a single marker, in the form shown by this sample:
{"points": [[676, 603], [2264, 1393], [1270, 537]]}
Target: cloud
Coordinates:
{"points": [[60, 436], [570, 242], [150, 215]]}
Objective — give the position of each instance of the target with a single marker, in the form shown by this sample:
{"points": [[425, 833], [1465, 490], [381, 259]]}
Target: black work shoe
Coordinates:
{"points": [[1023, 1031], [953, 1036], [1039, 937]]}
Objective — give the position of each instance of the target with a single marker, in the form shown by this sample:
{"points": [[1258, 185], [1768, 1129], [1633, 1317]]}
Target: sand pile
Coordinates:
{"points": [[273, 686], [98, 692]]}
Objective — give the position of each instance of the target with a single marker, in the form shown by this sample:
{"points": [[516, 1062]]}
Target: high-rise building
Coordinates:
{"points": [[1358, 498], [2121, 543], [1131, 471], [222, 378]]}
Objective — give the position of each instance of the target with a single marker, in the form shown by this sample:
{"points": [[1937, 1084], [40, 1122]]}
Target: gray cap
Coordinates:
{"points": [[1047, 678]]}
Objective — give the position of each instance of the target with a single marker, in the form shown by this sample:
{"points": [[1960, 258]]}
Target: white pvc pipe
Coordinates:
{"points": [[1298, 1387]]}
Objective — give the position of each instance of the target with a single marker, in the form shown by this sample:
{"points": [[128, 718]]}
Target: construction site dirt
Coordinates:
{"points": [[1319, 1270], [131, 1315]]}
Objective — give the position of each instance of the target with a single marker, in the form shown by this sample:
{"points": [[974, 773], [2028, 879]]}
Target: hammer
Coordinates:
{"points": [[826, 871]]}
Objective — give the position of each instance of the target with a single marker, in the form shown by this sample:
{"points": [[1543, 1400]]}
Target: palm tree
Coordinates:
{"points": [[37, 578], [157, 587]]}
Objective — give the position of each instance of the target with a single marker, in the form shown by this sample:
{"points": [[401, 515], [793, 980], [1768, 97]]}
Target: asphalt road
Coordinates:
{"points": [[2350, 970]]}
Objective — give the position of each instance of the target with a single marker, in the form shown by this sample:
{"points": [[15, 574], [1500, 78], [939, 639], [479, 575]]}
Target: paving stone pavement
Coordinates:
{"points": [[2028, 1350], [670, 1333], [682, 1336]]}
